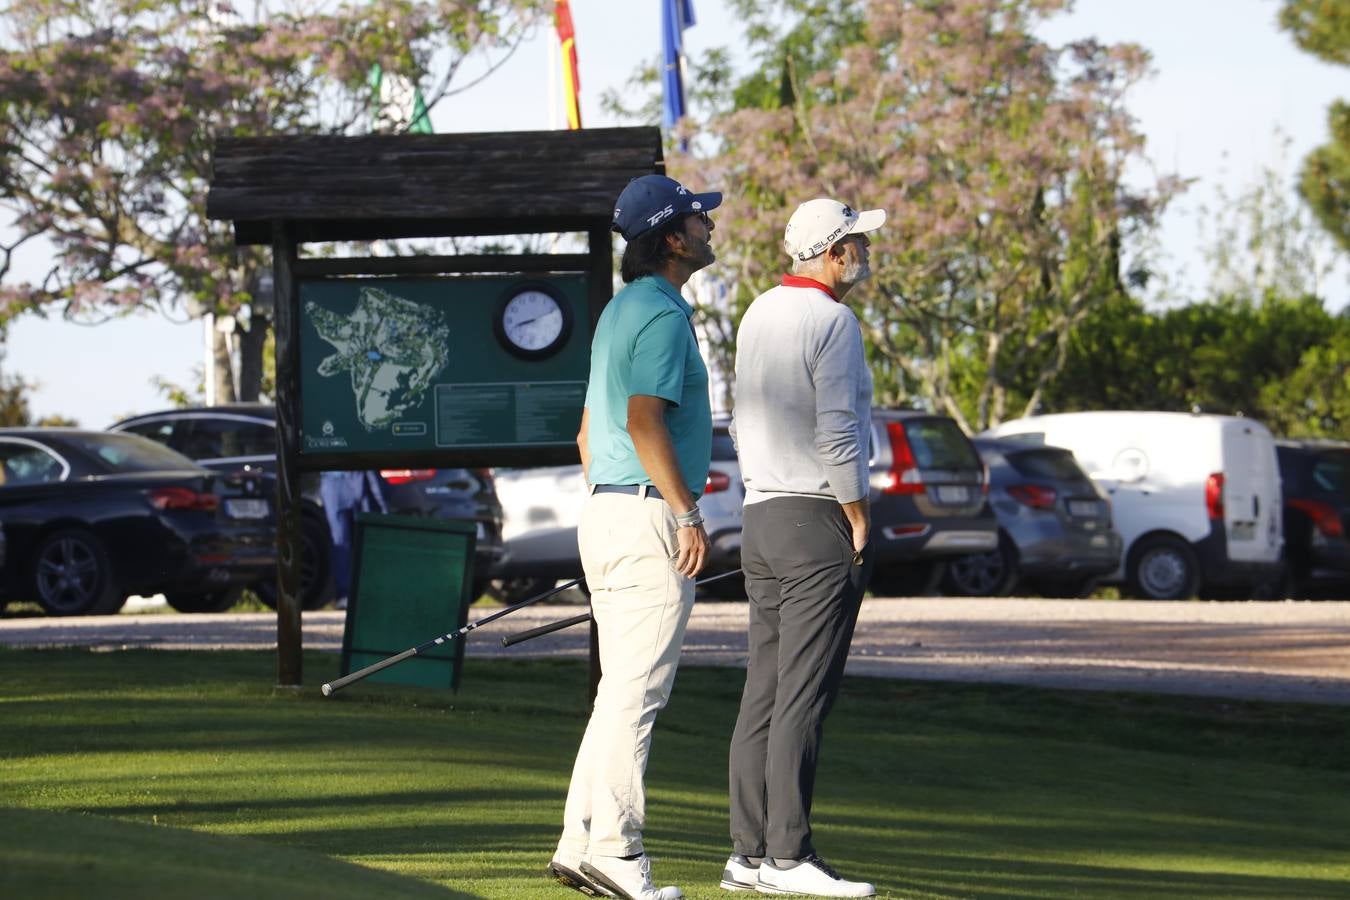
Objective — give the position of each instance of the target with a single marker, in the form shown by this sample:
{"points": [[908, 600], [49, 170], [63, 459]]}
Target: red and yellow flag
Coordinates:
{"points": [[567, 36]]}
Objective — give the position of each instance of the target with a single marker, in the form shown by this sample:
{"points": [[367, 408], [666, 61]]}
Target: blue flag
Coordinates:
{"points": [[676, 16]]}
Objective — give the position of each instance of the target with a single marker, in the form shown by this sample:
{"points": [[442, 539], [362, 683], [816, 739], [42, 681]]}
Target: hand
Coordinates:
{"points": [[693, 551], [861, 532]]}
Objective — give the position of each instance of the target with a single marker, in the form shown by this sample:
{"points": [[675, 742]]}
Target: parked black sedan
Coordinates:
{"points": [[90, 517], [226, 438]]}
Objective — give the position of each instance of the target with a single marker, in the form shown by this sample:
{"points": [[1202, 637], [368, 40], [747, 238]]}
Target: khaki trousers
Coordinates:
{"points": [[641, 606]]}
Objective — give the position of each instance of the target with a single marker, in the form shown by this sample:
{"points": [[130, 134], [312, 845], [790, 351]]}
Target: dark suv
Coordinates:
{"points": [[244, 434], [1315, 484], [928, 500]]}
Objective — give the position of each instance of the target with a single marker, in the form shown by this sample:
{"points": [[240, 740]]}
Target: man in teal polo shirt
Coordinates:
{"points": [[646, 445]]}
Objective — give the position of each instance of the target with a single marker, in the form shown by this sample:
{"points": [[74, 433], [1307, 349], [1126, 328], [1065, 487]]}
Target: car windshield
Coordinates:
{"points": [[129, 453], [1046, 463], [1331, 471], [940, 444]]}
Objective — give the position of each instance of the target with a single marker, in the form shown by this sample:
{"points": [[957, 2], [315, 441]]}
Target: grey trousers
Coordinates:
{"points": [[805, 590]]}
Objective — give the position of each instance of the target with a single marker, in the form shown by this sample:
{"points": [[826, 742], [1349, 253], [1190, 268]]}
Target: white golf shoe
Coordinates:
{"points": [[567, 872], [629, 879], [811, 876], [739, 874]]}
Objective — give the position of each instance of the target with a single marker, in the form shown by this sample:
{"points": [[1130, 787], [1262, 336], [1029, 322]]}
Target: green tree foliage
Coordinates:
{"points": [[998, 159], [1322, 27], [13, 398], [109, 111], [1274, 360]]}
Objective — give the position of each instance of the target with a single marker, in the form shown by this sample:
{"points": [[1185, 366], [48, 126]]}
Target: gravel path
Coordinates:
{"points": [[1291, 651]]}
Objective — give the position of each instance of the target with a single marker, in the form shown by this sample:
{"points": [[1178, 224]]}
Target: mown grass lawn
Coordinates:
{"points": [[930, 790]]}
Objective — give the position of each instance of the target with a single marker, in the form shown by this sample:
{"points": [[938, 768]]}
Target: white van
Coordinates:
{"points": [[1196, 498]]}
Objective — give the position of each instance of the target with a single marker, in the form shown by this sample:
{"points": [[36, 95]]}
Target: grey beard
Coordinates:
{"points": [[856, 271]]}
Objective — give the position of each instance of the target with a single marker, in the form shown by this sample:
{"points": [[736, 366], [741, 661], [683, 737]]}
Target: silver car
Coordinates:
{"points": [[541, 509], [1054, 526]]}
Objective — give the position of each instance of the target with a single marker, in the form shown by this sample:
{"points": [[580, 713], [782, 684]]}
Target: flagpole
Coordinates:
{"points": [[553, 51]]}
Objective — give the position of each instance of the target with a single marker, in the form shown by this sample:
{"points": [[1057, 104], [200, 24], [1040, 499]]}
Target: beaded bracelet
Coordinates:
{"points": [[689, 519]]}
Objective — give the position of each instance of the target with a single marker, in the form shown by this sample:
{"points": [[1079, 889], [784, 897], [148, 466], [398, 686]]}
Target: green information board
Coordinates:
{"points": [[410, 584], [412, 364]]}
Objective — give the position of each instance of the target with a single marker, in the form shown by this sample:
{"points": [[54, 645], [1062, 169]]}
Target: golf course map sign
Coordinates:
{"points": [[412, 364]]}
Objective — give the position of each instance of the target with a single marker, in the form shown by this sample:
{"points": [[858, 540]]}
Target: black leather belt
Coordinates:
{"points": [[634, 489]]}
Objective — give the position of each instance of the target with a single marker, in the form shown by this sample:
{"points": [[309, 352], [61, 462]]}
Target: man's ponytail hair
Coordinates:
{"points": [[647, 253]]}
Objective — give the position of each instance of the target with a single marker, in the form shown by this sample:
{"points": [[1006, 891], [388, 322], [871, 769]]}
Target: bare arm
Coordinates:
{"points": [[582, 447], [859, 515], [656, 454]]}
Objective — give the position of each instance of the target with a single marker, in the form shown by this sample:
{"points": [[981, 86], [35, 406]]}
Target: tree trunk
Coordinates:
{"points": [[224, 380], [251, 359]]}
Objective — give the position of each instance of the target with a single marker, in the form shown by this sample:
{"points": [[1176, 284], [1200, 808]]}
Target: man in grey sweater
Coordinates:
{"points": [[802, 427]]}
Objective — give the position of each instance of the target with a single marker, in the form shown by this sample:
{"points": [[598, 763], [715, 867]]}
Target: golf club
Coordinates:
{"points": [[542, 630], [331, 687]]}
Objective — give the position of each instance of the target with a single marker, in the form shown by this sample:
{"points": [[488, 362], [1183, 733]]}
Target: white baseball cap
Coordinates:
{"points": [[818, 224]]}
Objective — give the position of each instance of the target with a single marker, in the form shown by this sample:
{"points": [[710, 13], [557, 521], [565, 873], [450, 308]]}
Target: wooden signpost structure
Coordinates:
{"points": [[295, 191]]}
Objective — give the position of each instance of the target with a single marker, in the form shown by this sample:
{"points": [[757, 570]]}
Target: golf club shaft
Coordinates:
{"points": [[338, 684], [542, 630]]}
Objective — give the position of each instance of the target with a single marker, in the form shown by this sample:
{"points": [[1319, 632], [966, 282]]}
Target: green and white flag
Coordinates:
{"points": [[397, 103]]}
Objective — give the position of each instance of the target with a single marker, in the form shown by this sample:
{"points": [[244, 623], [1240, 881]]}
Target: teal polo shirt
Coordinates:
{"points": [[645, 344]]}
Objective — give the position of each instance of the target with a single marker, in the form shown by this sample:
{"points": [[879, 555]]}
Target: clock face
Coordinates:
{"points": [[533, 322]]}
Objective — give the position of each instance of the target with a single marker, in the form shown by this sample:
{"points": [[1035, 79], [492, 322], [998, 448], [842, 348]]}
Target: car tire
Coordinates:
{"points": [[316, 568], [1065, 588], [212, 602], [992, 574], [731, 587], [517, 590], [915, 578], [74, 553], [1163, 567]]}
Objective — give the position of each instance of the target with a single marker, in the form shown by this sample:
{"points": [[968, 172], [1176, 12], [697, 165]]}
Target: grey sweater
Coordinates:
{"points": [[802, 421]]}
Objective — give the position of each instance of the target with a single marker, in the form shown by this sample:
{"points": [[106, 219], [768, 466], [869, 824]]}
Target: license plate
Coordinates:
{"points": [[1242, 531], [953, 493], [246, 509], [1088, 509]]}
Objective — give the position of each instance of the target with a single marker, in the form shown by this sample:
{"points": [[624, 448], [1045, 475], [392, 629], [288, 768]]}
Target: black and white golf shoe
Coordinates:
{"points": [[811, 877]]}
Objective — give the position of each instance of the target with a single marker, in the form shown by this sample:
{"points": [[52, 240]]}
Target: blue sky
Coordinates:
{"points": [[1226, 78]]}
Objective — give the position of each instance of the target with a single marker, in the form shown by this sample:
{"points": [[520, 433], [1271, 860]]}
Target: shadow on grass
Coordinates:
{"points": [[928, 789], [48, 854]]}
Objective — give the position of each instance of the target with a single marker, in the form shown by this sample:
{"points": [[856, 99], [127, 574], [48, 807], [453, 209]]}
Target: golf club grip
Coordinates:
{"points": [[338, 684], [544, 629]]}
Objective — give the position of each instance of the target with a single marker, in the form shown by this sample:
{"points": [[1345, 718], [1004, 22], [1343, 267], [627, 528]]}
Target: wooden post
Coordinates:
{"points": [[289, 639], [599, 288]]}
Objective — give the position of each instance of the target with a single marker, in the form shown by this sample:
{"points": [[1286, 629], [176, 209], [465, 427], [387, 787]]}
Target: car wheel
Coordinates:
{"points": [[732, 587], [917, 578], [991, 574], [213, 602], [72, 575], [1066, 588], [316, 568], [517, 590], [1163, 568]]}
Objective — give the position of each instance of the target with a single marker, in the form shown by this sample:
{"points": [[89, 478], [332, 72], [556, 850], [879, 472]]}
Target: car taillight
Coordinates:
{"points": [[1034, 495], [1214, 496], [717, 481], [181, 498], [1323, 516], [904, 476], [404, 476]]}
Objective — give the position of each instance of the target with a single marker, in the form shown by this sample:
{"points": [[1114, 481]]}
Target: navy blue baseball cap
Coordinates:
{"points": [[652, 199]]}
